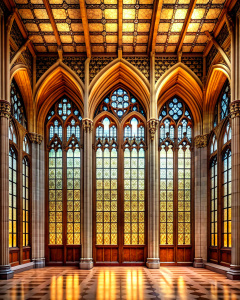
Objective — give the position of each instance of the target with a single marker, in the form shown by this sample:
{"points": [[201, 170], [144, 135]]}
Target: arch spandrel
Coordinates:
{"points": [[178, 82], [118, 73]]}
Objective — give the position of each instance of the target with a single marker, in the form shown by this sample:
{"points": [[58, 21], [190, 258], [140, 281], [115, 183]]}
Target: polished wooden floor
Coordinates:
{"points": [[109, 283]]}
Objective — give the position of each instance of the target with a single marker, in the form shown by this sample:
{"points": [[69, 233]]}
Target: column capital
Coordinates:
{"points": [[87, 125], [35, 138], [200, 141], [5, 109], [235, 109], [152, 126]]}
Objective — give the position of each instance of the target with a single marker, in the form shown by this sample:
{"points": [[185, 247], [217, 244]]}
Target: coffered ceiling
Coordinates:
{"points": [[126, 23]]}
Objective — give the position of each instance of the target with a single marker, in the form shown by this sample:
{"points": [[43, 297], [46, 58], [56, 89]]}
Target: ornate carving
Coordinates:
{"points": [[43, 64], [87, 125], [162, 64], [16, 35], [223, 34], [141, 63], [152, 126], [235, 109], [35, 138], [211, 55], [5, 109], [97, 64], [76, 64], [201, 141], [195, 64]]}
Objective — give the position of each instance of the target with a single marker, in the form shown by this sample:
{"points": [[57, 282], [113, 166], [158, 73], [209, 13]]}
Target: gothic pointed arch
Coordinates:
{"points": [[118, 73]]}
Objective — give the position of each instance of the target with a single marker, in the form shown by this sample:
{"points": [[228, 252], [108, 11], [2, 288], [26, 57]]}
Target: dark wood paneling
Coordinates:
{"points": [[133, 254], [225, 257], [14, 255], [107, 254]]}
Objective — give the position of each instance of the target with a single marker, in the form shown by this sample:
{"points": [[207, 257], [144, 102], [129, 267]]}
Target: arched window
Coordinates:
{"points": [[222, 107], [26, 202], [120, 179], [13, 242], [175, 180], [18, 110], [64, 181], [220, 182]]}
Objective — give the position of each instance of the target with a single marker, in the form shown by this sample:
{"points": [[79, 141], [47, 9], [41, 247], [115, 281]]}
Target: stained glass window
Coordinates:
{"points": [[222, 109], [106, 183], [166, 195], [12, 198], [64, 123], [55, 197], [175, 145], [226, 198], [12, 133], [25, 204], [25, 145], [213, 202], [120, 103], [213, 144], [18, 111], [134, 183], [127, 150]]}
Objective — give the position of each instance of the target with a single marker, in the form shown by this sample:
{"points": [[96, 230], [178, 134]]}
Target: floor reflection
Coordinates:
{"points": [[112, 283]]}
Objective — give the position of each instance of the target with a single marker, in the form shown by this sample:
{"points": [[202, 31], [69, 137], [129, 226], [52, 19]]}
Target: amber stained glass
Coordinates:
{"points": [[166, 196], [12, 198], [25, 203], [213, 203]]}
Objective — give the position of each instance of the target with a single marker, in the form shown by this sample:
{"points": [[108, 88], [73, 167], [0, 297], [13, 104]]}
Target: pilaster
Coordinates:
{"points": [[38, 211], [234, 272], [5, 268], [153, 176], [200, 204], [86, 261]]}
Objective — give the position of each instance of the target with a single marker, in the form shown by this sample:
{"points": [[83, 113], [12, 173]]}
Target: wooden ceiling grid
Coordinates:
{"points": [[61, 23]]}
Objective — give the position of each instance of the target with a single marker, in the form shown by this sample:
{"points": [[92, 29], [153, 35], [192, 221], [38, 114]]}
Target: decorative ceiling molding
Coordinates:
{"points": [[154, 26], [84, 17], [185, 25]]}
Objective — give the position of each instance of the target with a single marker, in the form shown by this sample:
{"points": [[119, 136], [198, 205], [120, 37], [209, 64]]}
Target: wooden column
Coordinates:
{"points": [[153, 176], [38, 200], [86, 261], [200, 203], [234, 272]]}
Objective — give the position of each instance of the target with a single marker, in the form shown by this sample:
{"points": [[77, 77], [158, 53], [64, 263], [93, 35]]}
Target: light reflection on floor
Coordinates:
{"points": [[110, 283]]}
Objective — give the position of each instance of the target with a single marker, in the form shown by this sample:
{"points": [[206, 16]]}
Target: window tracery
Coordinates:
{"points": [[64, 146], [115, 144], [18, 111], [175, 167]]}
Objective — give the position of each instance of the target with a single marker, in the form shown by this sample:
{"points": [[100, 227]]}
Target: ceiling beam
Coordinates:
{"points": [[157, 9], [185, 24], [84, 17], [120, 23], [12, 7], [219, 48], [220, 23], [54, 26]]}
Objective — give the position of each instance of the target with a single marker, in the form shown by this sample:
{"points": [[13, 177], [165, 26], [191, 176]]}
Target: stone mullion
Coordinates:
{"points": [[38, 200]]}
